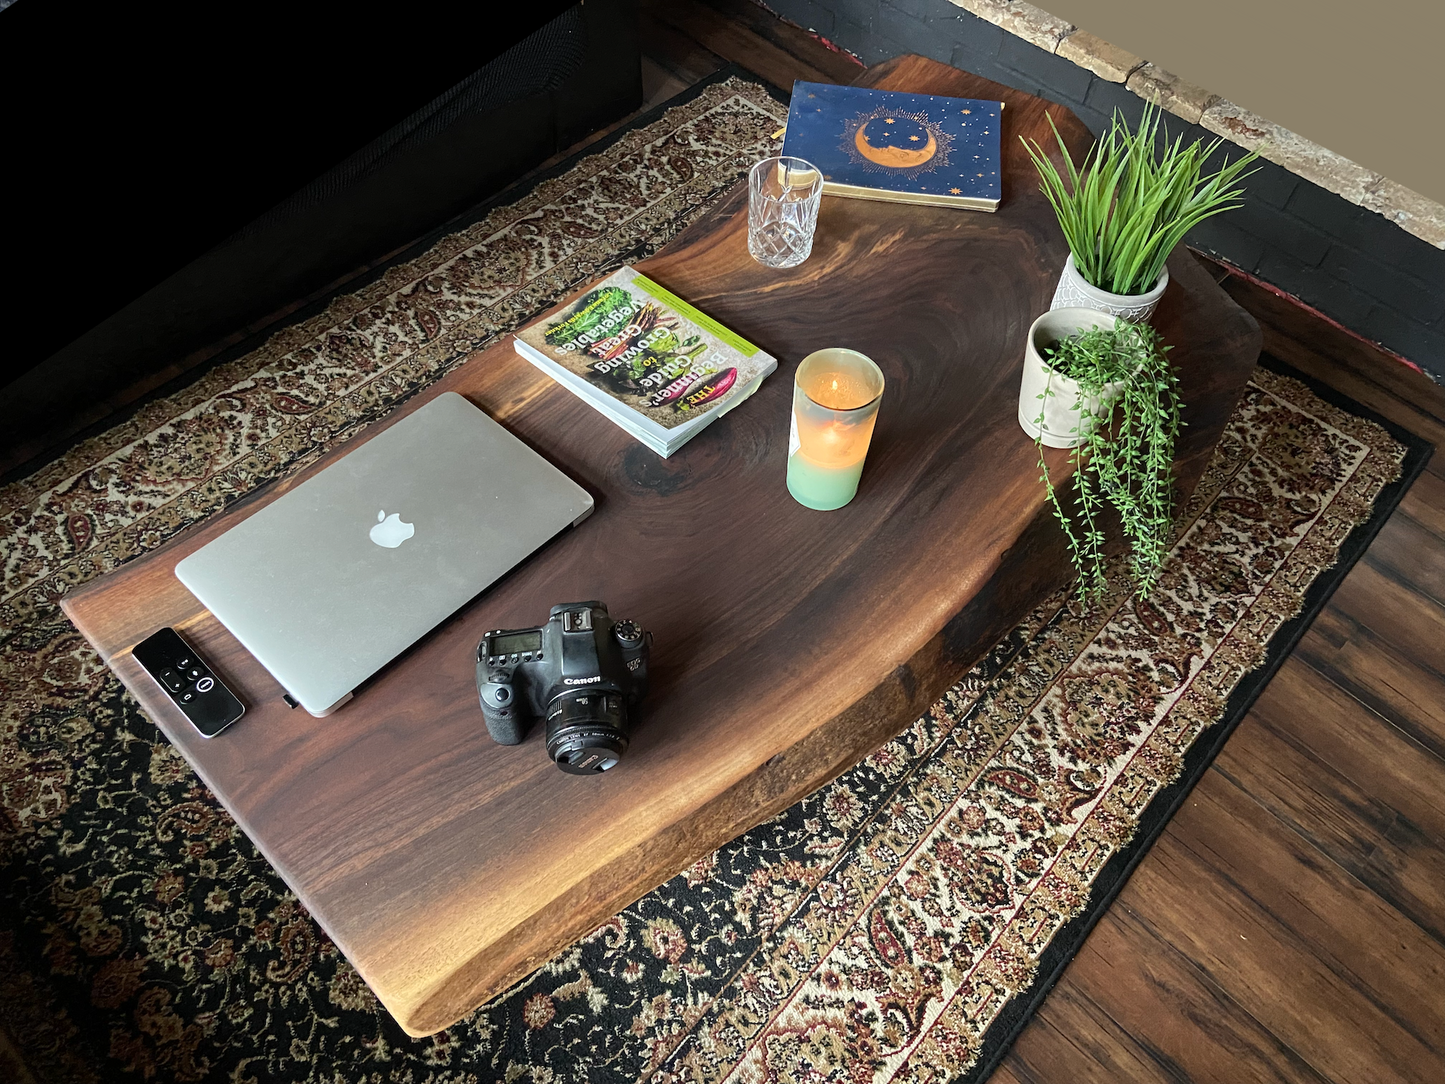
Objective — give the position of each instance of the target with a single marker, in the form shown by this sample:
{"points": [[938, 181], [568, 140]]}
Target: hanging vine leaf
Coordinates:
{"points": [[1128, 465]]}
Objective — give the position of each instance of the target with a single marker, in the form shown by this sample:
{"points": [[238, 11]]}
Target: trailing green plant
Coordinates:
{"points": [[1124, 212], [1127, 465]]}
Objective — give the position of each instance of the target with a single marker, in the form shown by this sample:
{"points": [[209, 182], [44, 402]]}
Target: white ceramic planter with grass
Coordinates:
{"points": [[1136, 196], [1048, 396], [1074, 291]]}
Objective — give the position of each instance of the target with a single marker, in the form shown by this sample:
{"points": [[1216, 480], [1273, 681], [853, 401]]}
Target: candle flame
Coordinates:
{"points": [[838, 391]]}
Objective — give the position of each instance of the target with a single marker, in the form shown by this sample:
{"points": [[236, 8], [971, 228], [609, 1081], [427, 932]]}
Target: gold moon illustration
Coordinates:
{"points": [[894, 157]]}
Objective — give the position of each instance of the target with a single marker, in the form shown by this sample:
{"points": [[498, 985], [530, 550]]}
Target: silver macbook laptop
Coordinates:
{"points": [[332, 581]]}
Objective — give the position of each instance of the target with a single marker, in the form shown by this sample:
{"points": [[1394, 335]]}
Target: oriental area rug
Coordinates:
{"points": [[899, 924]]}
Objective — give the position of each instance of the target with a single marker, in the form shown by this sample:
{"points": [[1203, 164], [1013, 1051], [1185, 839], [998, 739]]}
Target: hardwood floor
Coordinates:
{"points": [[1289, 924]]}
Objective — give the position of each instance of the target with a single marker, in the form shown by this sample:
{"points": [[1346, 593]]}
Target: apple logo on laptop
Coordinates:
{"points": [[390, 531]]}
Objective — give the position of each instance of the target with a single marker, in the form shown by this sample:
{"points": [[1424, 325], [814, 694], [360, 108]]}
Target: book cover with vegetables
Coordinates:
{"points": [[649, 350]]}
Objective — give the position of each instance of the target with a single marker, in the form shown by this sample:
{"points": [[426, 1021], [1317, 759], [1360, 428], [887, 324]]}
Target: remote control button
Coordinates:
{"points": [[205, 685], [172, 680], [187, 697], [183, 663]]}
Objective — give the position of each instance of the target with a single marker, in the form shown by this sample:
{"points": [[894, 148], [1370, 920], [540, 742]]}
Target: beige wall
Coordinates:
{"points": [[1365, 78]]}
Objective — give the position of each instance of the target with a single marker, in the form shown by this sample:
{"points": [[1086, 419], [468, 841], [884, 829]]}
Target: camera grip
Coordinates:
{"points": [[505, 723], [508, 731]]}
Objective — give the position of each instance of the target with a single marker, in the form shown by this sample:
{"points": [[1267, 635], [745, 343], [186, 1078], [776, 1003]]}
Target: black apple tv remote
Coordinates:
{"points": [[187, 680]]}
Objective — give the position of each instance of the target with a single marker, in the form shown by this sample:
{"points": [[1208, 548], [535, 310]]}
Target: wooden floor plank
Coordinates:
{"points": [[1073, 1039], [1409, 696], [1379, 594], [1356, 829], [729, 39], [840, 67], [1408, 869], [1412, 555], [1343, 923], [676, 52], [1207, 890], [659, 84], [1322, 720], [1168, 1012], [1424, 502], [1009, 1074]]}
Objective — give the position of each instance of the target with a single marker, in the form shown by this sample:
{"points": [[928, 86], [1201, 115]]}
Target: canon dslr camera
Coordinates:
{"points": [[581, 671]]}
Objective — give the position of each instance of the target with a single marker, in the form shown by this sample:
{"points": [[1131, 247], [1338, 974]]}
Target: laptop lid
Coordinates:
{"points": [[333, 580]]}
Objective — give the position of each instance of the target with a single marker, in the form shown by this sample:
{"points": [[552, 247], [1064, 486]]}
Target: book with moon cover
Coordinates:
{"points": [[645, 358], [906, 148]]}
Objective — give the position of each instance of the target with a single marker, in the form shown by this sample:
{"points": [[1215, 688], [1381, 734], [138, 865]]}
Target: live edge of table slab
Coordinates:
{"points": [[789, 643]]}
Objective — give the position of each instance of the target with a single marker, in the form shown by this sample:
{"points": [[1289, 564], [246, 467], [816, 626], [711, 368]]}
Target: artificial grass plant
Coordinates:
{"points": [[1124, 212]]}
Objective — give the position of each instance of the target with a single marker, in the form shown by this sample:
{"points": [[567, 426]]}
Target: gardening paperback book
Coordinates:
{"points": [[904, 148], [646, 359]]}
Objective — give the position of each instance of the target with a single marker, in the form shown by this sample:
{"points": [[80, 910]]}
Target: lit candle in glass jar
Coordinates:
{"points": [[836, 394]]}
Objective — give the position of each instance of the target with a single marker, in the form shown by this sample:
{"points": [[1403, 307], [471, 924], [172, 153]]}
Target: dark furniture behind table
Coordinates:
{"points": [[181, 178]]}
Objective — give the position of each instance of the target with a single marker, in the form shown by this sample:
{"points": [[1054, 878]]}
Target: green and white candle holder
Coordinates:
{"points": [[836, 395]]}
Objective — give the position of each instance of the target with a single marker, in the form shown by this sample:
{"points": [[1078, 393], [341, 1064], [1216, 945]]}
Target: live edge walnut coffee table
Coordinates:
{"points": [[789, 643]]}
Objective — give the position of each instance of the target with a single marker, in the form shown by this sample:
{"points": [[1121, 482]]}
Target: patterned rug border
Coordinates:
{"points": [[1067, 941], [46, 460]]}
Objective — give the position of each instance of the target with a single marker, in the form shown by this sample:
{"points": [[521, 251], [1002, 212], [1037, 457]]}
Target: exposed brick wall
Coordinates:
{"points": [[1350, 263]]}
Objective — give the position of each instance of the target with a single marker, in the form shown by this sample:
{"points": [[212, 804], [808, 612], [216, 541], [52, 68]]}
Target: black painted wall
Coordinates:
{"points": [[1351, 264]]}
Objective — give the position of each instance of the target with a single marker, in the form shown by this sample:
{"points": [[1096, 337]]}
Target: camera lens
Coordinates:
{"points": [[586, 731]]}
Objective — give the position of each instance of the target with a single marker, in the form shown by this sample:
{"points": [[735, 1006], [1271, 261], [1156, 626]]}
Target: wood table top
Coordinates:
{"points": [[789, 643]]}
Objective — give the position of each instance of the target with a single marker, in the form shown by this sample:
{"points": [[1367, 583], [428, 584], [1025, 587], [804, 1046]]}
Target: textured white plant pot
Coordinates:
{"points": [[1073, 292], [1065, 425]]}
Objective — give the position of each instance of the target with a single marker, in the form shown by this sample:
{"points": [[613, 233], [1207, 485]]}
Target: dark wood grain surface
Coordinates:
{"points": [[789, 643]]}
